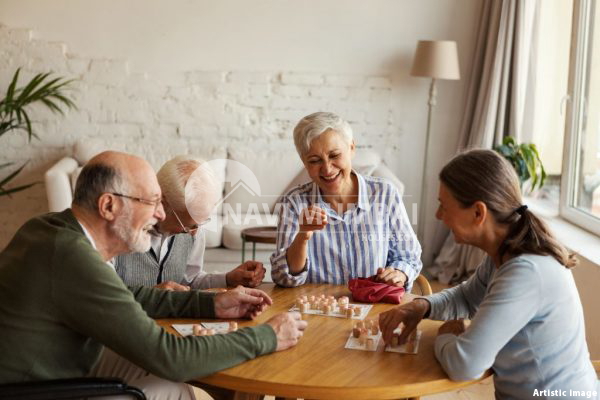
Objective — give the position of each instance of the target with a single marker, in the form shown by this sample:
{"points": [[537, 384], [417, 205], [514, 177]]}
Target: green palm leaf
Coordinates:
{"points": [[43, 89], [526, 161]]}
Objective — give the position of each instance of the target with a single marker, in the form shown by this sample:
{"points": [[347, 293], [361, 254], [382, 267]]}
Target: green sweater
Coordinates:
{"points": [[60, 303]]}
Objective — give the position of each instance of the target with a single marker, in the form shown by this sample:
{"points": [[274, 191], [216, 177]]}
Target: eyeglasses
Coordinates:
{"points": [[192, 229], [154, 203]]}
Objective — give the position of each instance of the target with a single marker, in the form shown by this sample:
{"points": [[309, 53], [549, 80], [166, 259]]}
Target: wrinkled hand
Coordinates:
{"points": [[454, 326], [409, 315], [172, 286], [241, 302], [289, 328], [250, 273], [391, 276], [312, 219]]}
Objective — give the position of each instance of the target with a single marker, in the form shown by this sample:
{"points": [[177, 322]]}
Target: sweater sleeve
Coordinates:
{"points": [[159, 303], [92, 300], [462, 300], [509, 305]]}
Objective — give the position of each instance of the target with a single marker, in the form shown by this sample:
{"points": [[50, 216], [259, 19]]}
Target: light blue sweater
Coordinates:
{"points": [[526, 324]]}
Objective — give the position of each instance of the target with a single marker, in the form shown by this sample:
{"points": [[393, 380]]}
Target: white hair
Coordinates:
{"points": [[189, 180], [314, 125]]}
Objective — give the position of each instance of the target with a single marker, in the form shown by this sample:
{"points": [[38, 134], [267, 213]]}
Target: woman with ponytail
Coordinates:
{"points": [[526, 317]]}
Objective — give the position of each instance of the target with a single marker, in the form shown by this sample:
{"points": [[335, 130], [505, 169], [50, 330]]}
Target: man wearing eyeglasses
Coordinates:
{"points": [[64, 312], [175, 261]]}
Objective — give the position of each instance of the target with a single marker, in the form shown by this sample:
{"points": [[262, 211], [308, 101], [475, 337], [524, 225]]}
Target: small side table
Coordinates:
{"points": [[259, 234]]}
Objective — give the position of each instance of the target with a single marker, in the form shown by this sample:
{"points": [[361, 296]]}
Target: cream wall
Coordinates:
{"points": [[345, 36]]}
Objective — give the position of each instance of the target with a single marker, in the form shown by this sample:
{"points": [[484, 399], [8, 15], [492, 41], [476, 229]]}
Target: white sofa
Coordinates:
{"points": [[264, 176]]}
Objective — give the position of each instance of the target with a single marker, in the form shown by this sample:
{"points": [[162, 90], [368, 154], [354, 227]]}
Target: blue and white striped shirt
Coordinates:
{"points": [[376, 233]]}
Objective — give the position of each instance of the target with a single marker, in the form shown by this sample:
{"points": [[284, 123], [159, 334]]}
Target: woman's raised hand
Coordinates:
{"points": [[312, 218]]}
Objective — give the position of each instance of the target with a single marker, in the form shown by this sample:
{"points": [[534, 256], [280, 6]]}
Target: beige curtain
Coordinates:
{"points": [[497, 104]]}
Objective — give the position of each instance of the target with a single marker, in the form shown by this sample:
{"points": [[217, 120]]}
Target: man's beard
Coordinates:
{"points": [[137, 242]]}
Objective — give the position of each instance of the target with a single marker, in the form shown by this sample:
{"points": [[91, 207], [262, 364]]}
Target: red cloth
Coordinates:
{"points": [[367, 290]]}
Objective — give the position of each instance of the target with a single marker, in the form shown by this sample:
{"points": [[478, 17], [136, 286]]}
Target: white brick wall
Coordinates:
{"points": [[162, 115]]}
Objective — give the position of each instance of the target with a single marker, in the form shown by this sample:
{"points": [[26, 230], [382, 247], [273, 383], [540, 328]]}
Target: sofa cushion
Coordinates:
{"points": [[272, 169], [232, 229], [229, 259]]}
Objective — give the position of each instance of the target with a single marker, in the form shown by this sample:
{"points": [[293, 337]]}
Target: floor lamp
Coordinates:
{"points": [[435, 59]]}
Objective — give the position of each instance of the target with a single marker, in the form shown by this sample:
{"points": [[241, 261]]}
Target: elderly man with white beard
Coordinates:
{"points": [[65, 313]]}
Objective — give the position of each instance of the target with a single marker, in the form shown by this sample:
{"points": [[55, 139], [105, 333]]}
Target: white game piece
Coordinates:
{"points": [[311, 299], [233, 326], [370, 343], [304, 307], [362, 339], [357, 311], [374, 329], [349, 313]]}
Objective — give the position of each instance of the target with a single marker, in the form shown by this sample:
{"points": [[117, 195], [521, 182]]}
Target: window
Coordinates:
{"points": [[580, 187]]}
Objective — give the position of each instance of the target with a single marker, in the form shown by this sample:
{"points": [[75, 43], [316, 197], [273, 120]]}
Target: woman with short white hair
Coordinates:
{"points": [[342, 225]]}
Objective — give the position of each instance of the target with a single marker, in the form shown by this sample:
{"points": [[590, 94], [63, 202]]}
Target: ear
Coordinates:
{"points": [[108, 207], [352, 148], [481, 212]]}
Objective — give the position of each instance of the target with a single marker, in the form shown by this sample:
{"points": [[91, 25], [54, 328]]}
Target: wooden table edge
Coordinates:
{"points": [[348, 393]]}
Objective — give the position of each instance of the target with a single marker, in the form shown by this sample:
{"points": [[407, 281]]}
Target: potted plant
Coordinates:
{"points": [[526, 161], [42, 89]]}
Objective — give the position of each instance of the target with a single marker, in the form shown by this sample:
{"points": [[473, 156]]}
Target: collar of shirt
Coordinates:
{"points": [[91, 239], [363, 197]]}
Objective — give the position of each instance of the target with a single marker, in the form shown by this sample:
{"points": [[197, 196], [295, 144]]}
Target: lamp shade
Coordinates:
{"points": [[436, 59]]}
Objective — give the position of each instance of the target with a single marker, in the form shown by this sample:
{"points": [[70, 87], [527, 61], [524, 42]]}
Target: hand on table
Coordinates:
{"points": [[312, 219], [172, 286], [454, 326], [409, 314], [289, 328], [251, 274], [241, 302], [391, 276]]}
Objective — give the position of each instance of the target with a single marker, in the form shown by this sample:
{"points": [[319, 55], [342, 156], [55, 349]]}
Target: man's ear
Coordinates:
{"points": [[352, 148], [481, 211], [108, 207]]}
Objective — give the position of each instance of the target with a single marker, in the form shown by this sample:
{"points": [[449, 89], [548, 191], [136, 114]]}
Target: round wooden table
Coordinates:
{"points": [[258, 234], [319, 367]]}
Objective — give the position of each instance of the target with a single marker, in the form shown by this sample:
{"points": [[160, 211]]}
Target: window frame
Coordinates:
{"points": [[578, 78]]}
